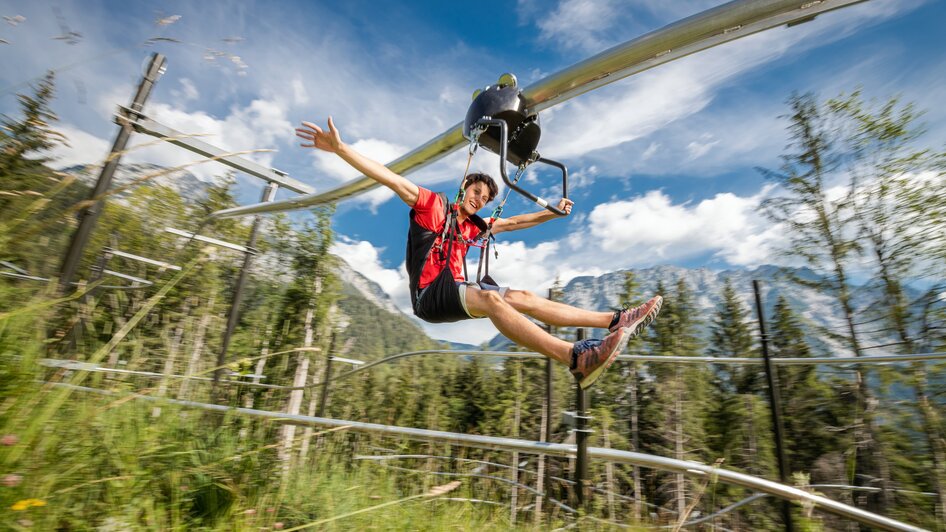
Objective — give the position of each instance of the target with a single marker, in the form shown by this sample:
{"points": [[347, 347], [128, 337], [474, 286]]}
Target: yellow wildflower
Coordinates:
{"points": [[27, 503]]}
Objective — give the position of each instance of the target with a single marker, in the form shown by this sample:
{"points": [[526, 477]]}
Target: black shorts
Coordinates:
{"points": [[444, 300]]}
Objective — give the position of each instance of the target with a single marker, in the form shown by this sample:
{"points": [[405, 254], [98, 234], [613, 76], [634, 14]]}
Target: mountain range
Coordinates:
{"points": [[188, 185], [818, 312]]}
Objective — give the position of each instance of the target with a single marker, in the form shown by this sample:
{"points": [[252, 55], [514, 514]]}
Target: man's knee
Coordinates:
{"points": [[484, 302], [520, 298], [491, 297]]}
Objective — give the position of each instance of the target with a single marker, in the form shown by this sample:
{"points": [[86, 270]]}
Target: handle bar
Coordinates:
{"points": [[503, 137]]}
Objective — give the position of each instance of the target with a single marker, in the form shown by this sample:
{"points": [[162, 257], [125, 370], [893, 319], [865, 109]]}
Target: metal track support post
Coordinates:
{"points": [[233, 316], [89, 216], [582, 491], [85, 310], [775, 404], [549, 409], [327, 377]]}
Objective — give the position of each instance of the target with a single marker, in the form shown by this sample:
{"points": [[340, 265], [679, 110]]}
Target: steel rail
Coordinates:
{"points": [[208, 240], [502, 466], [139, 258], [14, 267], [695, 521], [699, 32], [143, 124], [75, 365], [873, 359], [139, 282], [693, 469]]}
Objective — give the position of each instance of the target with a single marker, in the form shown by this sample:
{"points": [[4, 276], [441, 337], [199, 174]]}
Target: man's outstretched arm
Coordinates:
{"points": [[525, 221], [331, 142]]}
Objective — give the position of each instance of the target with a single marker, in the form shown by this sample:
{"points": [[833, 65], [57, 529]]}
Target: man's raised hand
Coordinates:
{"points": [[328, 141], [565, 205]]}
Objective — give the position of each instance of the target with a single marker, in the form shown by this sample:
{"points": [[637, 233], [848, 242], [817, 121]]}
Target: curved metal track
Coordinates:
{"points": [[833, 361], [710, 28], [874, 359]]}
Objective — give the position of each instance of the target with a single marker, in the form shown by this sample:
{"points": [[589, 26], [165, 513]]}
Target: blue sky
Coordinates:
{"points": [[663, 163]]}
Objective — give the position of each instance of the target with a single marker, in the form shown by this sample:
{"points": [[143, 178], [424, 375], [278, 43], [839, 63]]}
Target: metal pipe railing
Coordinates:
{"points": [[75, 365], [694, 469], [872, 359], [699, 32]]}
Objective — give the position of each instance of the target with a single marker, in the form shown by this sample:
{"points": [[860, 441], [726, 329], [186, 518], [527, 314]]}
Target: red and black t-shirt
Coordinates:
{"points": [[429, 214]]}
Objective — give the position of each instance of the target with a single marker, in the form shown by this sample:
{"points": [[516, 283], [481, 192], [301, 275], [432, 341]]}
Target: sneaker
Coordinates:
{"points": [[591, 357], [636, 319]]}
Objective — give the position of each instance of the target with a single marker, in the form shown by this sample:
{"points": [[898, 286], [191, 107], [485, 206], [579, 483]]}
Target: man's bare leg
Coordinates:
{"points": [[554, 313], [515, 326]]}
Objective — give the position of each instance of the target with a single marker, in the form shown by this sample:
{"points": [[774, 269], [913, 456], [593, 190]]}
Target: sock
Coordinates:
{"points": [[614, 320], [582, 345]]}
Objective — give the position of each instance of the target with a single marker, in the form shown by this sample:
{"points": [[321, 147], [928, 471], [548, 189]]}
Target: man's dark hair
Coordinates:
{"points": [[478, 177]]}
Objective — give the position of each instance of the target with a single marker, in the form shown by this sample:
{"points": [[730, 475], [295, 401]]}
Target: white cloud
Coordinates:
{"points": [[697, 149], [299, 95], [622, 113], [579, 24], [651, 229], [364, 258], [334, 167], [650, 151], [187, 92], [524, 267], [83, 148], [262, 125]]}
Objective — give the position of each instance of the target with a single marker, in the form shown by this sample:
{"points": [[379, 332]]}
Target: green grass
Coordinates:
{"points": [[93, 462], [106, 463]]}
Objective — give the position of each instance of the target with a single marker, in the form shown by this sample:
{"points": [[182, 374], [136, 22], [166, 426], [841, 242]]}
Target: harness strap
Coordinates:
{"points": [[453, 209], [488, 234]]}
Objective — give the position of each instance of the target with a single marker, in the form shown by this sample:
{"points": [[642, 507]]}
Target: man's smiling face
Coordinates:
{"points": [[477, 196]]}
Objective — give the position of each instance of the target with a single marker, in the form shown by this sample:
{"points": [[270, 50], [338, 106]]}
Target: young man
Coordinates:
{"points": [[438, 288]]}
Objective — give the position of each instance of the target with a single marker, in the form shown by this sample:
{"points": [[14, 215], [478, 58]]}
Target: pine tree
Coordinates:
{"points": [[821, 231], [34, 199], [23, 141], [734, 430], [730, 336], [629, 294], [468, 398], [809, 405], [676, 397], [892, 212], [738, 427], [306, 309]]}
